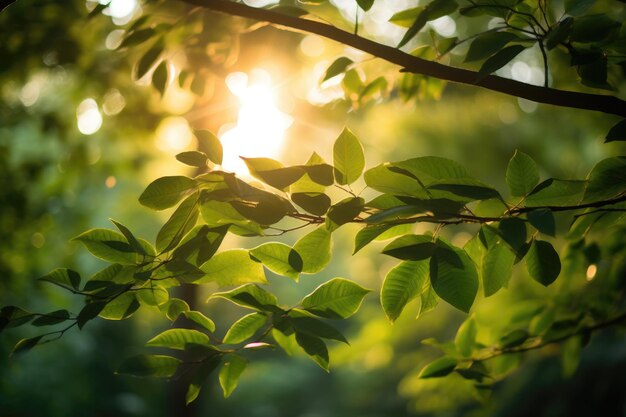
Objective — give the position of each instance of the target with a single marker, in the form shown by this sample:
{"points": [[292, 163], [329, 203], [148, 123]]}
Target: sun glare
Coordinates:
{"points": [[260, 128]]}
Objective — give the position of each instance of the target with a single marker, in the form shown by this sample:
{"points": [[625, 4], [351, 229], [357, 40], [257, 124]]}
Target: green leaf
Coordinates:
{"points": [[465, 338], [181, 271], [316, 328], [513, 231], [382, 179], [231, 372], [336, 299], [429, 169], [428, 301], [617, 132], [244, 328], [453, 276], [542, 262], [193, 158], [200, 244], [314, 203], [199, 377], [49, 319], [165, 192], [431, 11], [514, 338], [496, 268], [577, 7], [466, 188], [211, 144], [120, 307], [137, 37], [365, 4], [607, 179], [178, 339], [160, 78], [559, 33], [279, 258], [542, 322], [522, 174], [315, 348], [152, 295], [156, 366], [89, 312], [273, 172], [554, 192], [338, 66], [232, 267], [315, 250], [368, 234], [500, 59], [175, 307], [543, 220], [250, 296], [178, 225], [64, 278], [438, 368], [593, 28], [405, 18], [411, 247], [148, 60], [108, 245], [348, 158], [570, 356], [24, 345], [345, 211], [201, 320], [12, 316], [403, 283], [286, 342], [488, 44], [137, 245]]}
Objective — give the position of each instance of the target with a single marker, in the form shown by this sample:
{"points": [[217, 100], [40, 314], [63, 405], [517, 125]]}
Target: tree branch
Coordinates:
{"points": [[409, 63], [538, 343]]}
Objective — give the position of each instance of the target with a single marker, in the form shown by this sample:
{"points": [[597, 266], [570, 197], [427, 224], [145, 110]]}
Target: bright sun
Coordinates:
{"points": [[260, 128]]}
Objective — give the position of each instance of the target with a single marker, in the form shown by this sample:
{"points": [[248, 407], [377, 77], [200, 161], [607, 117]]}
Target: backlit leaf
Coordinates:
{"points": [[178, 339], [279, 258], [200, 319], [232, 267], [337, 67], [165, 192], [245, 328], [336, 299], [453, 276], [63, 277], [403, 283], [438, 368], [315, 250], [522, 174], [108, 245], [348, 158], [411, 247], [250, 296], [231, 372]]}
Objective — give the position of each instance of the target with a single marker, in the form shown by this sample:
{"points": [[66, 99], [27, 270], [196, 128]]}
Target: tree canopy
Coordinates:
{"points": [[508, 240]]}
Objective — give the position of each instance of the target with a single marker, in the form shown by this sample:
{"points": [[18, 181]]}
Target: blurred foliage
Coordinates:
{"points": [[58, 181]]}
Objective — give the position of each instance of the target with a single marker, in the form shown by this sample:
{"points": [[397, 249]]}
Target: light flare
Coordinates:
{"points": [[261, 126]]}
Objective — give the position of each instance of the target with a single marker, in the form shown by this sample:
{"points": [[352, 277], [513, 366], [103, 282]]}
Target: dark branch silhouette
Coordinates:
{"points": [[597, 102]]}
